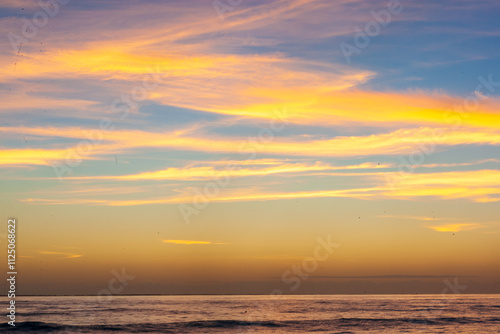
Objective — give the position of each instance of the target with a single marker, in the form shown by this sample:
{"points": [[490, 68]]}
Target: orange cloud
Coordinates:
{"points": [[196, 74], [260, 84], [259, 88]]}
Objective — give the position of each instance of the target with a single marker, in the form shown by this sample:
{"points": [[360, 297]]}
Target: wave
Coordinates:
{"points": [[41, 313], [38, 326], [68, 312], [482, 307], [173, 327]]}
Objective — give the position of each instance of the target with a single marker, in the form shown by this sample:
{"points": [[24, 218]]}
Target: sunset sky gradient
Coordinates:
{"points": [[207, 150]]}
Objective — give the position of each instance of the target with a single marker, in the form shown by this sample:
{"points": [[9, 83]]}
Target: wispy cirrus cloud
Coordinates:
{"points": [[403, 141], [215, 87], [316, 92], [456, 227], [409, 217], [233, 170], [31, 156], [476, 186], [459, 164], [312, 97], [61, 254], [392, 277], [193, 242], [19, 3]]}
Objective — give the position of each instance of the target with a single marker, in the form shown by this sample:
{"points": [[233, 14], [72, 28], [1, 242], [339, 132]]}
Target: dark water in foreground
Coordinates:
{"points": [[259, 314]]}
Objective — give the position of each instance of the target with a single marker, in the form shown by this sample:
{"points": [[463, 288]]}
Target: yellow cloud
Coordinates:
{"points": [[478, 186], [232, 170], [323, 106], [30, 156], [403, 141], [65, 255], [472, 163], [230, 196], [455, 227], [196, 74]]}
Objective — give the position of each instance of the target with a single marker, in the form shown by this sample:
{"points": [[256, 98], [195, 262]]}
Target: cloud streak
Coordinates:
{"points": [[193, 242], [403, 141], [456, 227], [63, 254], [477, 186]]}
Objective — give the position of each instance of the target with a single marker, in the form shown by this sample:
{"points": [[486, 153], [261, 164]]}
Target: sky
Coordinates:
{"points": [[241, 146]]}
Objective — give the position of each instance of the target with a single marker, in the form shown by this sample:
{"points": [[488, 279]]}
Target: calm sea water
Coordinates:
{"points": [[260, 314]]}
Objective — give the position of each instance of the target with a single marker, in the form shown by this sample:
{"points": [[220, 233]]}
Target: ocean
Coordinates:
{"points": [[259, 314]]}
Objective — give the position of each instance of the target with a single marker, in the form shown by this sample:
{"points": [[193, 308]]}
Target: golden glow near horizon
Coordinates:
{"points": [[196, 148]]}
